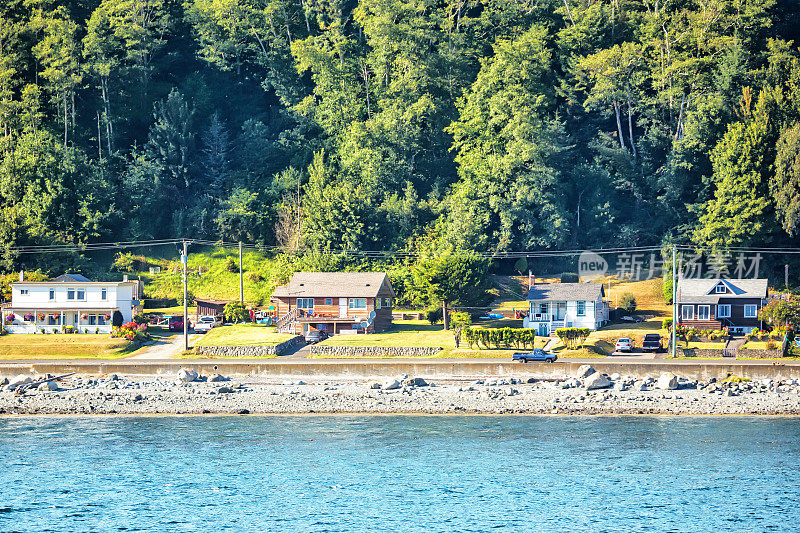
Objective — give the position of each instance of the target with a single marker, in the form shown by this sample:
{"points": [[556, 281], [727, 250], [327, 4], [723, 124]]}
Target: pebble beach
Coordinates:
{"points": [[588, 392]]}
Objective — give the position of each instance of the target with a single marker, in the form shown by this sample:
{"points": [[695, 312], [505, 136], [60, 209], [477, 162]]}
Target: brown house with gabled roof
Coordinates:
{"points": [[712, 304], [335, 302]]}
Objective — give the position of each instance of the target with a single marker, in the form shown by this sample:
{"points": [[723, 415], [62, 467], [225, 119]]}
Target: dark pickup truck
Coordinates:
{"points": [[652, 343]]}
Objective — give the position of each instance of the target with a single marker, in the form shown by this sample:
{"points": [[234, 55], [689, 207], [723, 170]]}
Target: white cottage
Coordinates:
{"points": [[71, 302], [566, 305]]}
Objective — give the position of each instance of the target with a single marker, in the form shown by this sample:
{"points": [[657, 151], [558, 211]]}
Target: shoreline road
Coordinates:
{"points": [[148, 364]]}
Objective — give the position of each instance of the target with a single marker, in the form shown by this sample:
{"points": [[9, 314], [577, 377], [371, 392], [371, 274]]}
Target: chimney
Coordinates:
{"points": [[22, 275], [125, 277]]}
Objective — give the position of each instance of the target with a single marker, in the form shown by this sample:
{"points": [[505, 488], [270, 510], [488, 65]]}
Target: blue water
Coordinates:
{"points": [[404, 473]]}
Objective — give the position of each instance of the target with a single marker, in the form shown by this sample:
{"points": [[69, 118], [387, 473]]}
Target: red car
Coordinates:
{"points": [[176, 323]]}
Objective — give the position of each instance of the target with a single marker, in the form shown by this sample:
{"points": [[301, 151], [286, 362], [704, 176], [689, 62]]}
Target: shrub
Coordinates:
{"points": [[666, 324], [69, 329], [573, 337], [231, 265], [131, 331], [236, 312], [254, 277], [570, 277], [434, 315], [124, 262], [771, 345], [628, 302], [141, 318]]}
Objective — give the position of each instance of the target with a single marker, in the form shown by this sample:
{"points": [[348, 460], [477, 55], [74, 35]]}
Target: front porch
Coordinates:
{"points": [[32, 321]]}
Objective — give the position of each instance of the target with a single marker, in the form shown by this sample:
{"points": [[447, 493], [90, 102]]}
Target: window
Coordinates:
{"points": [[724, 311], [104, 294], [387, 302], [750, 311], [52, 294], [92, 320], [687, 312], [581, 308], [81, 294], [328, 301], [23, 292], [720, 289], [305, 303], [357, 303], [70, 294], [703, 312], [377, 303], [101, 320], [542, 309]]}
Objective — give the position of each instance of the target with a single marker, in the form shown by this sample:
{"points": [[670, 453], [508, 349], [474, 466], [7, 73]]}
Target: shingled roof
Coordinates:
{"points": [[69, 278], [700, 290], [566, 291], [337, 285]]}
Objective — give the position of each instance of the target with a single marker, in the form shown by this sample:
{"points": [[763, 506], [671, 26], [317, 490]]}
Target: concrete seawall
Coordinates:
{"points": [[441, 369]]}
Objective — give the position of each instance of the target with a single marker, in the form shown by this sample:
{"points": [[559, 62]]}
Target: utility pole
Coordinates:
{"points": [[184, 261], [241, 278], [673, 336]]}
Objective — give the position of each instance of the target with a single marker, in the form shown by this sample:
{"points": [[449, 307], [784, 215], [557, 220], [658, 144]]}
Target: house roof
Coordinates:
{"points": [[68, 278], [211, 301], [336, 284], [566, 291], [700, 290]]}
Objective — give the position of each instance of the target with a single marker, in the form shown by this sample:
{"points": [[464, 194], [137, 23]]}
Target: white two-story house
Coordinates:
{"points": [[566, 305], [70, 302]]}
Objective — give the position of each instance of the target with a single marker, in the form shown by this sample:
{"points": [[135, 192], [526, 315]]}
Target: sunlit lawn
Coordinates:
{"points": [[243, 335], [63, 346]]}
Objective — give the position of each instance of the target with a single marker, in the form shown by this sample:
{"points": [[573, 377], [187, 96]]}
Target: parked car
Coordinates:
{"points": [[652, 343], [176, 323], [624, 344], [207, 323], [316, 335], [536, 355]]}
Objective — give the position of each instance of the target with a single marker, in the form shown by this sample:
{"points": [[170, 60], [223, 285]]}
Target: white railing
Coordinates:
{"points": [[45, 329]]}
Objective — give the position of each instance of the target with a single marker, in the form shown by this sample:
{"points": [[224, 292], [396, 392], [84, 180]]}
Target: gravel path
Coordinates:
{"points": [[140, 395]]}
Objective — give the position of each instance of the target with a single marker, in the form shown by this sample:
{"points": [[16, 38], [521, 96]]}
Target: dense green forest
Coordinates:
{"points": [[485, 125]]}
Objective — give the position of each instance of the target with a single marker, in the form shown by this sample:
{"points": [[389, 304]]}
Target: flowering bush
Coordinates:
{"points": [[10, 319], [131, 331], [42, 316], [29, 318]]}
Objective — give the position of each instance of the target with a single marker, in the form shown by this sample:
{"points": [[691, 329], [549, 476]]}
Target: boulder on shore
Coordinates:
{"points": [[584, 371], [48, 386], [214, 378], [390, 384], [187, 376], [667, 381], [416, 382], [596, 381]]}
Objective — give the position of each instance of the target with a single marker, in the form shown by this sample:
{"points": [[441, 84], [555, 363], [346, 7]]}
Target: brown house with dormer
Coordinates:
{"points": [[713, 304], [334, 302]]}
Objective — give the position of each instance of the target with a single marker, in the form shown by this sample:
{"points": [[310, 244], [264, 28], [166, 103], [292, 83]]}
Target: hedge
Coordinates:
{"points": [[573, 337], [500, 337]]}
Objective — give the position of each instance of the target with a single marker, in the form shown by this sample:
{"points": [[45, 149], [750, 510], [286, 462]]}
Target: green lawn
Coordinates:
{"points": [[414, 333], [243, 335], [61, 346]]}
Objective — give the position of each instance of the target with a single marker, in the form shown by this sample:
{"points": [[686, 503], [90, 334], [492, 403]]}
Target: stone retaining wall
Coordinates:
{"points": [[756, 354], [374, 351], [251, 351]]}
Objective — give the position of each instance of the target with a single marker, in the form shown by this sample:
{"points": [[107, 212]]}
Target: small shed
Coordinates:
{"points": [[210, 307]]}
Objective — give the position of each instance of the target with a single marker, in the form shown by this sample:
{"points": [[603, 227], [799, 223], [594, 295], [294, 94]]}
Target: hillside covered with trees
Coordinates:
{"points": [[483, 125]]}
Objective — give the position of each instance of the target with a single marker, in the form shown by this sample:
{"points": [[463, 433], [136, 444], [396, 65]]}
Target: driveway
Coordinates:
{"points": [[164, 346]]}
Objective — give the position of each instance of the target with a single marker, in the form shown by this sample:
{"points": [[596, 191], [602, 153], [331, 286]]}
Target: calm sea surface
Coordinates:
{"points": [[404, 473]]}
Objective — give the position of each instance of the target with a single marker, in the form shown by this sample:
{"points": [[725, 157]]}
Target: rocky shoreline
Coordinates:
{"points": [[586, 393]]}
